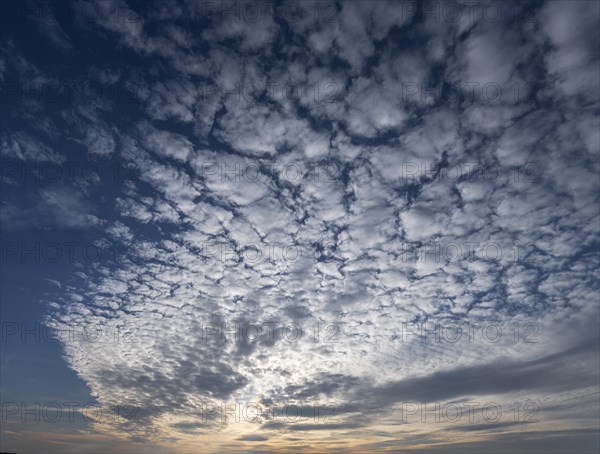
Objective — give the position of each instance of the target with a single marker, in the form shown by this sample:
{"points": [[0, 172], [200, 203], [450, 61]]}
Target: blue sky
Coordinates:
{"points": [[318, 226]]}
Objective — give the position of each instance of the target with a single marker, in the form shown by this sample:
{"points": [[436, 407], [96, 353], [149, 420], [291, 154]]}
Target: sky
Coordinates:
{"points": [[306, 226]]}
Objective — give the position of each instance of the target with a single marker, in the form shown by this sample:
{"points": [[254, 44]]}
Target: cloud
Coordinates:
{"points": [[24, 147], [55, 208], [381, 195]]}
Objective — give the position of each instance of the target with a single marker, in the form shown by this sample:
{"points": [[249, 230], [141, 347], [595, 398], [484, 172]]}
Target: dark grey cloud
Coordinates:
{"points": [[253, 438], [551, 373], [579, 441]]}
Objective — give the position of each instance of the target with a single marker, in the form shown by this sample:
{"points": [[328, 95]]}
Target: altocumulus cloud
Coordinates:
{"points": [[352, 211]]}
